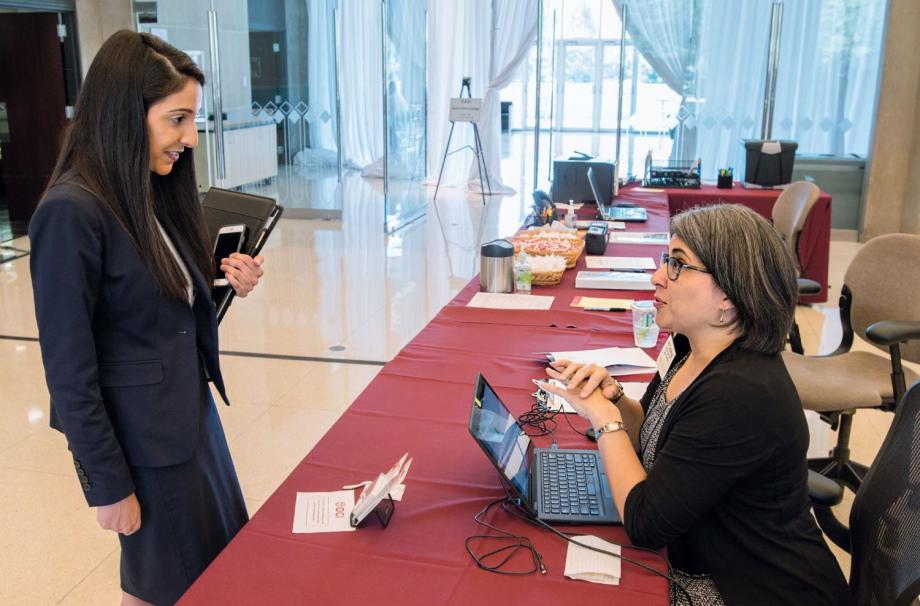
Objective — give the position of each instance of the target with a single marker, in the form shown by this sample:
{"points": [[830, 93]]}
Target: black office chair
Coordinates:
{"points": [[884, 534]]}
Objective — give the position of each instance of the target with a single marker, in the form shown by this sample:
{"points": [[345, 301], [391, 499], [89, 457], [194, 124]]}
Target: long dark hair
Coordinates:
{"points": [[106, 147]]}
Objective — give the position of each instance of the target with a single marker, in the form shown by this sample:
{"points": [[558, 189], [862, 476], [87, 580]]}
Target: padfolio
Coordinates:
{"points": [[225, 207]]}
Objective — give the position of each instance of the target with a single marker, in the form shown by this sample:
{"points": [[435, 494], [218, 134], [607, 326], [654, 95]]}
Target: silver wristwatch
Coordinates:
{"points": [[609, 428]]}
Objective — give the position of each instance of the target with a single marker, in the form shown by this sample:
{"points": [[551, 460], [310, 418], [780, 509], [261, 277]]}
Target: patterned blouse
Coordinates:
{"points": [[700, 587]]}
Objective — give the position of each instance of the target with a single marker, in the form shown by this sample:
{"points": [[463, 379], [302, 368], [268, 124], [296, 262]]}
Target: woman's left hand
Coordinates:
{"points": [[243, 272], [596, 407]]}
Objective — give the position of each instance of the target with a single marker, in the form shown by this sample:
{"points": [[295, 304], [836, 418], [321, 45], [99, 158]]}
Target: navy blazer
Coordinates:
{"points": [[124, 364]]}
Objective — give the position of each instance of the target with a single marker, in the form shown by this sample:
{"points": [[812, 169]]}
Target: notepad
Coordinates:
{"points": [[601, 302], [596, 262], [586, 565], [496, 300], [659, 238]]}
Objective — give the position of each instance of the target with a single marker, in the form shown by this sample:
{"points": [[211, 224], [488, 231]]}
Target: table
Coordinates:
{"points": [[419, 403], [814, 242]]}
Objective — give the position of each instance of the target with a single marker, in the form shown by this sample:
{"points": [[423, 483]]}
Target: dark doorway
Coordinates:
{"points": [[32, 86]]}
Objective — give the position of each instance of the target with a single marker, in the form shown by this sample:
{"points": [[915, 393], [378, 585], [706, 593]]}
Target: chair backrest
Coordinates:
{"points": [[885, 517], [882, 280], [790, 211]]}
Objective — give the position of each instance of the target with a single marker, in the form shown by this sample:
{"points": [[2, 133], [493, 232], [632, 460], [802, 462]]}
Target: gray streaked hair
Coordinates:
{"points": [[750, 264]]}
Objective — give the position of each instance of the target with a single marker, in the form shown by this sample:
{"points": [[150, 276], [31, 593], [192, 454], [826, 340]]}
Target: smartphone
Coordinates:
{"points": [[229, 240]]}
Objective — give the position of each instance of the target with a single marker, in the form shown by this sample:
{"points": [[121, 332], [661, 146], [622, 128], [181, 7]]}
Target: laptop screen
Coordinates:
{"points": [[601, 203], [497, 432]]}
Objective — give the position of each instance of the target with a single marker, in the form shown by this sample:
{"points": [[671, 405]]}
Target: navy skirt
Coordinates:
{"points": [[189, 512]]}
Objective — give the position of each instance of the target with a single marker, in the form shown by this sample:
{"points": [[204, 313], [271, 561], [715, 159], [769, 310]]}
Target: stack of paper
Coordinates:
{"points": [[619, 361], [614, 280], [586, 565], [641, 237], [379, 489], [620, 263]]}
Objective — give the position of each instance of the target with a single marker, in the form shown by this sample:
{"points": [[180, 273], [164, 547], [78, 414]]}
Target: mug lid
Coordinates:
{"points": [[497, 248]]}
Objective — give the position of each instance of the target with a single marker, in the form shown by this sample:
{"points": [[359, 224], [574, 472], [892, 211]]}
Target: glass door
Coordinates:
{"points": [[268, 124], [575, 88], [405, 55]]}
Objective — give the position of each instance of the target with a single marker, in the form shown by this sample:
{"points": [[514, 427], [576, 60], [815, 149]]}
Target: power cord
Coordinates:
{"points": [[513, 543], [508, 545], [570, 538]]}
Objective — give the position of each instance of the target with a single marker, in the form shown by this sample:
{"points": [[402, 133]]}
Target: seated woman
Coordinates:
{"points": [[710, 463]]}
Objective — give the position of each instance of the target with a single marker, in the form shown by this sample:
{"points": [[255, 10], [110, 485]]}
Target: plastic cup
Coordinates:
{"points": [[645, 329]]}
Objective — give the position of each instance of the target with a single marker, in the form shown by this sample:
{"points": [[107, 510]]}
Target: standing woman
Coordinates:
{"points": [[121, 273]]}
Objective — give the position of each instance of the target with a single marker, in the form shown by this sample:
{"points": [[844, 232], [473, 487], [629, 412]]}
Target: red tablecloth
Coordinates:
{"points": [[814, 243], [420, 404]]}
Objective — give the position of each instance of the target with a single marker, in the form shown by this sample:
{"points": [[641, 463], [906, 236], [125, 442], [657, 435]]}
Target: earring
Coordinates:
{"points": [[721, 316]]}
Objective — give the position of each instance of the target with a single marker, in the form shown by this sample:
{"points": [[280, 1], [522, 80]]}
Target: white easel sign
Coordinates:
{"points": [[465, 109]]}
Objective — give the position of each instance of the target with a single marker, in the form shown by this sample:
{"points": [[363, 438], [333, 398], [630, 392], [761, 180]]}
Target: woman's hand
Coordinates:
{"points": [[596, 407], [589, 376], [123, 517], [243, 272]]}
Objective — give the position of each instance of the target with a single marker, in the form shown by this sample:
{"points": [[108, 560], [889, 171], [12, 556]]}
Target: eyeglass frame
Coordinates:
{"points": [[666, 259]]}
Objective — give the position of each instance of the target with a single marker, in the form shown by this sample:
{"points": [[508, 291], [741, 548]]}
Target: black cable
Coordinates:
{"points": [[513, 544], [525, 515]]}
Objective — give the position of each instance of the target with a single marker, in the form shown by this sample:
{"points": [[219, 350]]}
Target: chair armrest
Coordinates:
{"points": [[808, 287], [823, 490], [889, 332]]}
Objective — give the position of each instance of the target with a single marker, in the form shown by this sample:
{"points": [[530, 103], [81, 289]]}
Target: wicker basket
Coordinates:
{"points": [[548, 278], [571, 257]]}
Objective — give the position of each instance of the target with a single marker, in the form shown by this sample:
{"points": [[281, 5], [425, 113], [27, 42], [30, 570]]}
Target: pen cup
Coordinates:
{"points": [[645, 329], [725, 179]]}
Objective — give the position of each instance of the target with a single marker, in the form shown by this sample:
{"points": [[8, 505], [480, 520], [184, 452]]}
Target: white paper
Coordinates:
{"points": [[666, 356], [396, 493], [641, 237], [619, 361], [384, 484], [323, 511], [593, 262], [496, 300], [586, 565]]}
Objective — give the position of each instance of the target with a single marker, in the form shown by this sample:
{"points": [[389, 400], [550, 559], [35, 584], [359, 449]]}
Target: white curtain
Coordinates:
{"points": [[666, 32], [826, 80], [360, 82], [321, 74], [458, 46], [512, 35]]}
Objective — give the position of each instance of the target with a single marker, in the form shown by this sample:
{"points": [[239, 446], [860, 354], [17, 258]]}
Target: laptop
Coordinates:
{"points": [[615, 212], [553, 484]]}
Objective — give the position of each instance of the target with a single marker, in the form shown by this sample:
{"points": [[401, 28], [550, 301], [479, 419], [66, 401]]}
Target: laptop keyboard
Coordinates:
{"points": [[570, 483]]}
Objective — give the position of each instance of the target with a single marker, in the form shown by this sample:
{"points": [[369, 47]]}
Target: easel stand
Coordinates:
{"points": [[477, 151]]}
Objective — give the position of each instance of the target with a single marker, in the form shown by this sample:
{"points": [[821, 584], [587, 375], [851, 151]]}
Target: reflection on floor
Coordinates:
{"points": [[335, 290]]}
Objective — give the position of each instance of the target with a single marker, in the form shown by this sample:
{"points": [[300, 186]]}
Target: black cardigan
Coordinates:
{"points": [[728, 495]]}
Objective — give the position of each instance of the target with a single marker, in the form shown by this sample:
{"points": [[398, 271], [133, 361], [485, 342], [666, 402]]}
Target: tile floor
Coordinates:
{"points": [[328, 285]]}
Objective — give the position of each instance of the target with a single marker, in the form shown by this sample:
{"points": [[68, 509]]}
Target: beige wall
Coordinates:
{"points": [[96, 21], [892, 200]]}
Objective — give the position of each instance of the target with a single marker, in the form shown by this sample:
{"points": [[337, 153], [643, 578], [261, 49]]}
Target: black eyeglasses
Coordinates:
{"points": [[675, 266]]}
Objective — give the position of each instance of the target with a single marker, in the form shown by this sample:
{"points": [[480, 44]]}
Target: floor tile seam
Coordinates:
{"points": [[89, 574], [17, 442], [39, 471], [248, 427], [252, 354]]}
